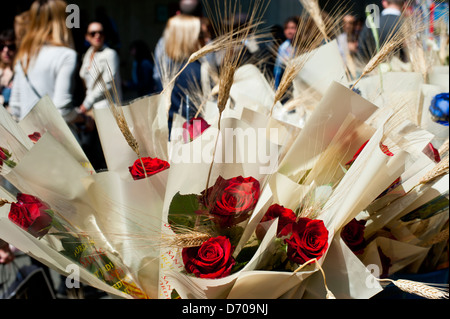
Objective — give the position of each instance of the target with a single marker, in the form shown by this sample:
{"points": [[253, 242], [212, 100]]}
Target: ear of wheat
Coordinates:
{"points": [[399, 35], [313, 8], [312, 31], [116, 109], [439, 170], [428, 291], [4, 202]]}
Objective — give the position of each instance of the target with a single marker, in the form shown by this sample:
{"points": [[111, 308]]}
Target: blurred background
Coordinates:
{"points": [[146, 19]]}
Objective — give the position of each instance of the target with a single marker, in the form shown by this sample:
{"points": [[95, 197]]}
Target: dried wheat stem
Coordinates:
{"points": [[313, 8], [226, 82], [384, 52], [116, 110], [439, 170], [442, 236], [329, 295], [190, 239], [3, 202], [420, 289], [395, 40]]}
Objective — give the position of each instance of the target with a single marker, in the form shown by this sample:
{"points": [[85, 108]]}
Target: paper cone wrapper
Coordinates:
{"points": [[8, 124], [439, 76], [144, 118], [324, 66], [248, 79], [400, 255], [44, 117], [347, 277], [395, 88], [326, 120], [48, 251], [129, 214]]}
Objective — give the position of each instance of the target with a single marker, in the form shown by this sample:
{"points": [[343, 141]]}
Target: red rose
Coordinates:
{"points": [[432, 153], [194, 128], [286, 219], [353, 236], [384, 149], [35, 137], [230, 201], [309, 240], [211, 260], [5, 156], [151, 167], [30, 214]]}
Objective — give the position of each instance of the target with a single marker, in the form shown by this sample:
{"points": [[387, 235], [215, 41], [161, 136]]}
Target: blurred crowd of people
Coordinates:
{"points": [[40, 57]]}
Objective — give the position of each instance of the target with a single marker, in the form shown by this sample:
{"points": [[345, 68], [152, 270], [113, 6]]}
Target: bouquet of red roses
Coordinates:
{"points": [[52, 230]]}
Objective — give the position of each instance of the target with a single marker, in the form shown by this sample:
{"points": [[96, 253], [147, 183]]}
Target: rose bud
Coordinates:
{"points": [[194, 128], [286, 219], [30, 214], [353, 236], [147, 166], [35, 137]]}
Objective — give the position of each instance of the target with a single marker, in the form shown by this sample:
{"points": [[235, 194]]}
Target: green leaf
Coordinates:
{"points": [[183, 208], [233, 233], [246, 254]]}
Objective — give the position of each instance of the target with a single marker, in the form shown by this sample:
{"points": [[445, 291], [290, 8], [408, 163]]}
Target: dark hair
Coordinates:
{"points": [[399, 3], [293, 19], [7, 36]]}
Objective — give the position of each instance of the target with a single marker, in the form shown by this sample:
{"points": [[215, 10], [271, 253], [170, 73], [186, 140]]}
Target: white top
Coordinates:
{"points": [[391, 11], [50, 73], [105, 60]]}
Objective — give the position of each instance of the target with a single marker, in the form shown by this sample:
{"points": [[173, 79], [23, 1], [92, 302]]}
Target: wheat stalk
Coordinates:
{"points": [[227, 36], [313, 8], [438, 238], [329, 294], [192, 239], [438, 170], [420, 289], [4, 202], [116, 110], [398, 36], [309, 36]]}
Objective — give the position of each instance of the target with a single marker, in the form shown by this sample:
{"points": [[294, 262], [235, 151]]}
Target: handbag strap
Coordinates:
{"points": [[29, 82]]}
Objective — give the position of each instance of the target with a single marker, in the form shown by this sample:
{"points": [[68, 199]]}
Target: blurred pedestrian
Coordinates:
{"points": [[7, 54], [186, 7], [6, 255], [182, 37], [389, 23], [347, 40], [286, 49], [46, 62], [100, 64], [99, 61]]}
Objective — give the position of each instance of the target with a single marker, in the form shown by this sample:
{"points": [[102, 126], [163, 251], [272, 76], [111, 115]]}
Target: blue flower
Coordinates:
{"points": [[439, 109]]}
